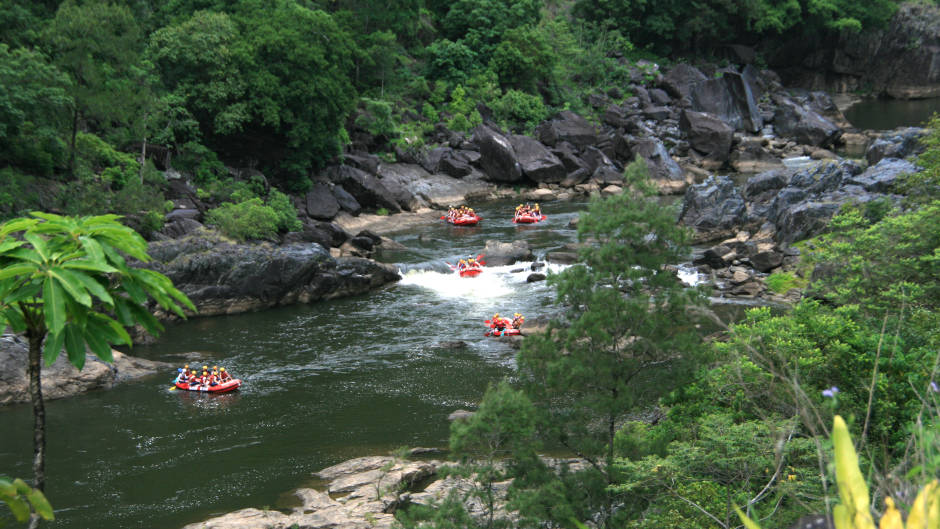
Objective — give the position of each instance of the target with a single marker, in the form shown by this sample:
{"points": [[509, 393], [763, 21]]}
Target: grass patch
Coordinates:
{"points": [[783, 282]]}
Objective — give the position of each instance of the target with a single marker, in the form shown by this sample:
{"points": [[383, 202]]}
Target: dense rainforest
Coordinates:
{"points": [[97, 97], [98, 100]]}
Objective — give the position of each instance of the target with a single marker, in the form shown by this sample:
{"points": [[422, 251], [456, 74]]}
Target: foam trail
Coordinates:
{"points": [[494, 283]]}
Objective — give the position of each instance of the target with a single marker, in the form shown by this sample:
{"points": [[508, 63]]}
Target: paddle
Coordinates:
{"points": [[172, 388]]}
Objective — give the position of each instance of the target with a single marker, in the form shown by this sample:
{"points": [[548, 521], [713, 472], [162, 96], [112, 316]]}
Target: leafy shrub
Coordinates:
{"points": [[95, 158], [199, 161], [286, 212], [250, 219], [519, 111], [377, 118], [449, 61]]}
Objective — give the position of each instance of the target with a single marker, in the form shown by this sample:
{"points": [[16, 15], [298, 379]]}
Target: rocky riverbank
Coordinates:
{"points": [[62, 379], [365, 492]]}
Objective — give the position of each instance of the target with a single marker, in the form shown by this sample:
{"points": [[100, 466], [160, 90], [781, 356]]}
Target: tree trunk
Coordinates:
{"points": [[143, 158], [39, 414], [72, 144]]}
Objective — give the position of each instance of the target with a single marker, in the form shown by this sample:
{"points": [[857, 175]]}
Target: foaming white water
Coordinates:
{"points": [[689, 275], [495, 282]]}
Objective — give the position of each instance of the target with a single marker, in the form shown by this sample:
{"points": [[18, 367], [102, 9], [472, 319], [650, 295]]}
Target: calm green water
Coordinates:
{"points": [[323, 383], [885, 114]]}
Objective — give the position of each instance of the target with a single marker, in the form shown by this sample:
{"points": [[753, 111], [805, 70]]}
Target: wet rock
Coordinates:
{"points": [[538, 265], [62, 379], [562, 257], [503, 253], [730, 98], [661, 165], [535, 277], [497, 157]]}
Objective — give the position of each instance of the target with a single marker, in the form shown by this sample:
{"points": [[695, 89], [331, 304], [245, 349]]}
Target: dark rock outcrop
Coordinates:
{"points": [[680, 79], [803, 124], [320, 203], [714, 208], [730, 98], [707, 134], [225, 278], [368, 191], [537, 162], [567, 126], [899, 61], [497, 157]]}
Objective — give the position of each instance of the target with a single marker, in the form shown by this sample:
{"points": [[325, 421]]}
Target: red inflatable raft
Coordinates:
{"points": [[224, 387], [508, 331], [528, 218], [470, 272], [463, 220]]}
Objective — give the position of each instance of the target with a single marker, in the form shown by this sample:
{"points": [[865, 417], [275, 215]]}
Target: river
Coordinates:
{"points": [[323, 383], [886, 114]]}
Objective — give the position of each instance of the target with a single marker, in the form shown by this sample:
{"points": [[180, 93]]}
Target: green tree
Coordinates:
{"points": [[268, 84], [97, 44], [500, 435], [66, 282], [33, 99], [628, 336]]}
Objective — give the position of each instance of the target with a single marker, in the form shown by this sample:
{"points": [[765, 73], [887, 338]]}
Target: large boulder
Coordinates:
{"points": [[346, 201], [497, 157], [883, 177], [680, 80], [805, 220], [435, 189], [537, 162], [713, 208], [898, 144], [499, 253], [707, 134], [567, 126], [661, 165], [320, 203], [62, 379], [802, 124], [457, 163], [225, 278], [368, 191], [730, 98]]}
